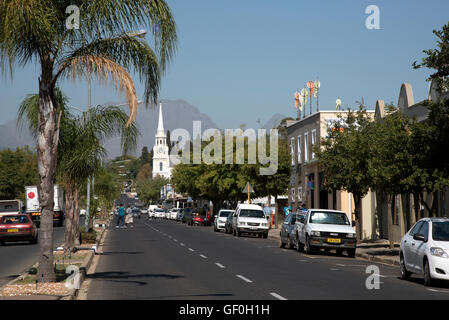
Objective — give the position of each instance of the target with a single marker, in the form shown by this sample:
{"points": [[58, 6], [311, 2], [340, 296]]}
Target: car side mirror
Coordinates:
{"points": [[419, 237]]}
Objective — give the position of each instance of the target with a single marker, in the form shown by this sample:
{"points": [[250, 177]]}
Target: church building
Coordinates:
{"points": [[161, 157]]}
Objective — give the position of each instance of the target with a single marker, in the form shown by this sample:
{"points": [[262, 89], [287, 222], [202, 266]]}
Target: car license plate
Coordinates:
{"points": [[332, 240], [13, 230]]}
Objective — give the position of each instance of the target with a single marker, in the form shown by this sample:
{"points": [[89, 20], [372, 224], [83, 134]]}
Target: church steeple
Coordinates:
{"points": [[160, 126]]}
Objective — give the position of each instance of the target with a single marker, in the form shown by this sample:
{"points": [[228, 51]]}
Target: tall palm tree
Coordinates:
{"points": [[35, 32], [81, 150]]}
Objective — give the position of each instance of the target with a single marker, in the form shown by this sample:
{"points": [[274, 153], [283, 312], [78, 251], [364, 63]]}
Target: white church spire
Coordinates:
{"points": [[160, 125]]}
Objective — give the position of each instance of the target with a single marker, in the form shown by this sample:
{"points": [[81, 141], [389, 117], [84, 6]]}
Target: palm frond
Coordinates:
{"points": [[105, 70]]}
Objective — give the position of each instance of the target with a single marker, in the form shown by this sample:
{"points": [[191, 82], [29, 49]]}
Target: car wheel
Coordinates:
{"points": [[34, 240], [404, 273], [265, 235], [289, 243], [351, 253], [299, 245], [427, 277], [308, 249]]}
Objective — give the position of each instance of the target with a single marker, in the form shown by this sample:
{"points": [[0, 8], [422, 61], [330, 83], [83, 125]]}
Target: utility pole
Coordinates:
{"points": [[86, 217]]}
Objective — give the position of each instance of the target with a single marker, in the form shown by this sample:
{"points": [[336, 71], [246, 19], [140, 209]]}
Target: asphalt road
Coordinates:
{"points": [[18, 257], [160, 259]]}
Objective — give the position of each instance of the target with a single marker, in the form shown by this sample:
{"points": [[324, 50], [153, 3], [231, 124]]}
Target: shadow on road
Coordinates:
{"points": [[119, 276]]}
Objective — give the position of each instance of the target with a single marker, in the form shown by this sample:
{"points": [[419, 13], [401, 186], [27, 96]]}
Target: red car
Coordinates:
{"points": [[201, 219], [17, 227]]}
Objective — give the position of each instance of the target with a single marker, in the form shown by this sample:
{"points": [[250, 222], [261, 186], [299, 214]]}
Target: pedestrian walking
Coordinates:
{"points": [[268, 213], [121, 216], [129, 217]]}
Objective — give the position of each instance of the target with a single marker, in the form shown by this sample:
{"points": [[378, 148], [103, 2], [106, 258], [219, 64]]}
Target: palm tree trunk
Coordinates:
{"points": [[76, 218], [47, 143]]}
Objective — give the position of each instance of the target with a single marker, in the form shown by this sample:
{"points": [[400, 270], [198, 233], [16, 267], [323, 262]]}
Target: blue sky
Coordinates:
{"points": [[240, 61]]}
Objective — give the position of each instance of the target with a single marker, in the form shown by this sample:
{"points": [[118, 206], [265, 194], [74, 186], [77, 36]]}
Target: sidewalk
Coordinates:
{"points": [[376, 251]]}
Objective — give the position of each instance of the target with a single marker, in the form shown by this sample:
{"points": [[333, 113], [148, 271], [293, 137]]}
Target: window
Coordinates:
{"points": [[292, 146], [440, 230], [424, 230], [338, 218], [416, 228], [299, 149], [161, 166], [313, 142], [251, 213], [306, 146]]}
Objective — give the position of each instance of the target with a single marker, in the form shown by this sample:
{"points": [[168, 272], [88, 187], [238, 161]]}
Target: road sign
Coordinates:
{"points": [[248, 188]]}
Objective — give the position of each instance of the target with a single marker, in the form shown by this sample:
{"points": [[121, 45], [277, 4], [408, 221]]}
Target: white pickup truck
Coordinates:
{"points": [[250, 218], [329, 229]]}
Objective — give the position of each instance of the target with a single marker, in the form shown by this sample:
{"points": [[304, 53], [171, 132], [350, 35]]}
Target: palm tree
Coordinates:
{"points": [[80, 148], [34, 32]]}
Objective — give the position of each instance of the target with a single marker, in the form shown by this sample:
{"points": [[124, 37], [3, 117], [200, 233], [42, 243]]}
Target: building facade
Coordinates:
{"points": [[307, 180], [161, 157]]}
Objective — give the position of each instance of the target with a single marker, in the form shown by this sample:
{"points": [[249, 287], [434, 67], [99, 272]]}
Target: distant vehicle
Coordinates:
{"points": [[287, 232], [136, 212], [180, 215], [159, 213], [33, 207], [329, 229], [201, 217], [17, 227], [187, 216], [250, 219], [8, 207], [152, 207], [425, 250], [174, 213], [220, 219], [144, 211], [228, 223]]}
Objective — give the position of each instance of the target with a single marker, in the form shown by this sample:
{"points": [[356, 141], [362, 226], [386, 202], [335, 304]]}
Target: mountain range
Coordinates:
{"points": [[176, 114]]}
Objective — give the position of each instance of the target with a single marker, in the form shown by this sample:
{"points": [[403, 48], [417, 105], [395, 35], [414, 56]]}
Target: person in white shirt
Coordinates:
{"points": [[129, 217]]}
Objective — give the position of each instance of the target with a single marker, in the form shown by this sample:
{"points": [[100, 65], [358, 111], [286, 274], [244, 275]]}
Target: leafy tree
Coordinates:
{"points": [[81, 149], [344, 156], [17, 169], [145, 157], [35, 32], [437, 59], [149, 190], [390, 159]]}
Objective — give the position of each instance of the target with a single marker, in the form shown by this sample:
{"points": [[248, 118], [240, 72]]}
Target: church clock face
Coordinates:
{"points": [[160, 150]]}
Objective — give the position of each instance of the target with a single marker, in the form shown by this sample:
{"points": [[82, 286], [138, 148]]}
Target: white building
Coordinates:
{"points": [[161, 157]]}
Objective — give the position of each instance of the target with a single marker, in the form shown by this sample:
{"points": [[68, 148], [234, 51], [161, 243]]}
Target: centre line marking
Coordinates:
{"points": [[182, 244], [243, 278], [203, 256], [175, 240], [190, 249], [279, 297], [220, 265]]}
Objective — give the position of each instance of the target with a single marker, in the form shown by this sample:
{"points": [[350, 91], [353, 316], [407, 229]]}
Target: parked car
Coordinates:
{"points": [[329, 229], [287, 232], [174, 213], [425, 250], [144, 211], [187, 216], [201, 217], [250, 219], [180, 215], [17, 227], [159, 213], [220, 219], [228, 223]]}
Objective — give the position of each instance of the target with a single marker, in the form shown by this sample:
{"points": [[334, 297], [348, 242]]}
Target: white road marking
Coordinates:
{"points": [[175, 240], [190, 249], [243, 278], [334, 269], [182, 244], [279, 297], [203, 256], [339, 264], [220, 265]]}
